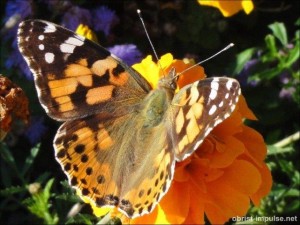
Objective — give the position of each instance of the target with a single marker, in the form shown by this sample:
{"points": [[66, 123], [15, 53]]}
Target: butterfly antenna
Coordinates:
{"points": [[148, 37], [219, 52]]}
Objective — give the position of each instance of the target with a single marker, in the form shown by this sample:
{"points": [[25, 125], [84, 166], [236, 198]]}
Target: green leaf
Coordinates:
{"points": [[29, 160], [39, 204], [12, 190], [293, 56], [273, 150], [279, 32], [266, 74], [271, 45], [242, 58]]}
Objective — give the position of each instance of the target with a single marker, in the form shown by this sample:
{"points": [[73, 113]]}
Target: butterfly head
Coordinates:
{"points": [[169, 82]]}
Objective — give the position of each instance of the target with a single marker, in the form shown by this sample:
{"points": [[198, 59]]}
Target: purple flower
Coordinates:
{"points": [[36, 130], [22, 8], [76, 16], [127, 52], [246, 73], [287, 93], [15, 59], [58, 5], [15, 11], [103, 19]]}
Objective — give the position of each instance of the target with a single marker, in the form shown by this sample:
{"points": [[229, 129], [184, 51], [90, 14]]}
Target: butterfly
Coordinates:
{"points": [[120, 139]]}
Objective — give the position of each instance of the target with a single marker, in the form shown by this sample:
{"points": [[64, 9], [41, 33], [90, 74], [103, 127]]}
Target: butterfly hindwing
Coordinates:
{"points": [[74, 76], [198, 108], [114, 167]]}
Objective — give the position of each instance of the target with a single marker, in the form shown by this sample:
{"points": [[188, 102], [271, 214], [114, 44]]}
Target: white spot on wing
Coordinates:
{"points": [[74, 41], [213, 94], [67, 48], [41, 47], [49, 57], [229, 84], [214, 84], [70, 44], [212, 110], [41, 37], [50, 28]]}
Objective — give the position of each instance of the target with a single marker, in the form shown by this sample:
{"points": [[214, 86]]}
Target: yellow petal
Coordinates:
{"points": [[229, 8], [85, 31]]}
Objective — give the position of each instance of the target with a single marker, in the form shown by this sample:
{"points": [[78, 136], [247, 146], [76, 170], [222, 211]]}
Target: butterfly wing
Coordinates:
{"points": [[115, 167], [198, 108], [74, 76]]}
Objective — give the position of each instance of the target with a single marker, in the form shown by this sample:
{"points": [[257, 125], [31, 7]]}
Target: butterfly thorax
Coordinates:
{"points": [[158, 100]]}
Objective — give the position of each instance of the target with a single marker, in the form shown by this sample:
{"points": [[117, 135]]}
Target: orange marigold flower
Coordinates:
{"points": [[221, 177], [13, 104], [229, 7]]}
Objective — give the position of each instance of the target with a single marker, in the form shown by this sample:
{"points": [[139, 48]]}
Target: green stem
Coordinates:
{"points": [[288, 140]]}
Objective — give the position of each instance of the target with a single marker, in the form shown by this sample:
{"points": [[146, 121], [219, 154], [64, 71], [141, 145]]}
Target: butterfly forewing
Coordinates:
{"points": [[74, 76], [198, 108]]}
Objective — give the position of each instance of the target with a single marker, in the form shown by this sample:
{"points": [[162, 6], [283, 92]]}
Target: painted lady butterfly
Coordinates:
{"points": [[120, 139]]}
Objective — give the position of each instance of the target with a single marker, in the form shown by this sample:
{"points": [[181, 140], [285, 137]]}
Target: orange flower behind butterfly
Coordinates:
{"points": [[228, 7], [221, 178], [218, 180]]}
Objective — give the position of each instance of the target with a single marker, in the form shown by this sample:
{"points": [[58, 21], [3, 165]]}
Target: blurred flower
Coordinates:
{"points": [[85, 31], [229, 7], [36, 130], [103, 19], [15, 11], [247, 71], [221, 177], [75, 16], [129, 53], [15, 59], [287, 93], [58, 5], [34, 188], [13, 105]]}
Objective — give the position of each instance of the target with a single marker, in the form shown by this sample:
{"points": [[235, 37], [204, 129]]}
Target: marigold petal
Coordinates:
{"points": [[227, 151], [201, 172], [192, 75], [85, 31], [176, 203], [243, 176], [166, 60], [196, 212], [254, 143], [229, 8], [149, 70], [181, 173], [265, 186], [230, 126], [225, 202], [247, 6], [244, 109]]}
